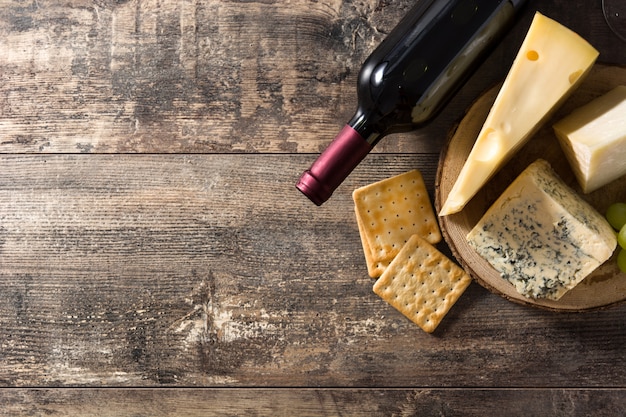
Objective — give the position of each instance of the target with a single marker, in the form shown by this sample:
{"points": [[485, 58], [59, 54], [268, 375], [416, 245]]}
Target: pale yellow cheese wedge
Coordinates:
{"points": [[550, 64], [593, 138]]}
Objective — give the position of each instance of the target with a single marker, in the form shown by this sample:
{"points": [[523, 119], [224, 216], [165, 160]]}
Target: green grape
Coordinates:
{"points": [[616, 215], [621, 237], [621, 260]]}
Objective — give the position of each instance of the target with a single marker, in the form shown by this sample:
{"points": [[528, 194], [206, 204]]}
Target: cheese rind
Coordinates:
{"points": [[593, 138], [541, 236], [551, 63]]}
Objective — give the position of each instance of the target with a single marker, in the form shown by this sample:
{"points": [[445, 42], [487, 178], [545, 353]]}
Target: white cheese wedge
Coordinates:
{"points": [[550, 64], [541, 236], [593, 138]]}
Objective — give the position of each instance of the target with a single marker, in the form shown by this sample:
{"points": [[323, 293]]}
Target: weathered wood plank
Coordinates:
{"points": [[135, 76], [312, 402], [215, 76], [211, 270]]}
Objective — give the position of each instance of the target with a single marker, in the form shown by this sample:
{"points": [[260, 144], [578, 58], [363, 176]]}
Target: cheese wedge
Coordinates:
{"points": [[541, 236], [593, 138], [550, 64]]}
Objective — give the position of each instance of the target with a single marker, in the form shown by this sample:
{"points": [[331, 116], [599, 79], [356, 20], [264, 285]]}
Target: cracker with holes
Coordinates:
{"points": [[388, 213], [422, 283], [374, 267]]}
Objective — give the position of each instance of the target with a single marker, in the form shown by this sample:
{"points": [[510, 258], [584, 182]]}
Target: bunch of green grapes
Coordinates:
{"points": [[616, 215]]}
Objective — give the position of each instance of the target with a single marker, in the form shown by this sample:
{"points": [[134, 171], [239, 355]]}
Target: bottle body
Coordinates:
{"points": [[408, 78]]}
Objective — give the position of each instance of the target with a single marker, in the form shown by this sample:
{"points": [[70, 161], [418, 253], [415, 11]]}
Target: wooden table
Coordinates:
{"points": [[156, 258]]}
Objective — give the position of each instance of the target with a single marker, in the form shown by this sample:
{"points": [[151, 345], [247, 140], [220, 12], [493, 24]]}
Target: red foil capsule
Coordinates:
{"points": [[334, 165]]}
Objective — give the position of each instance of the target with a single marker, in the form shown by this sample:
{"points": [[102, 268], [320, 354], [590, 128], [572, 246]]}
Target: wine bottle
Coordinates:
{"points": [[408, 78]]}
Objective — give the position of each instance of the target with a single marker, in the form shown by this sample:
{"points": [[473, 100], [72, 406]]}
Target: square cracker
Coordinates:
{"points": [[389, 212], [422, 283]]}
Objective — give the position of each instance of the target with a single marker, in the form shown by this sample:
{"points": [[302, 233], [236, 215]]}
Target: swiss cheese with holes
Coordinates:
{"points": [[422, 283], [388, 213], [550, 64]]}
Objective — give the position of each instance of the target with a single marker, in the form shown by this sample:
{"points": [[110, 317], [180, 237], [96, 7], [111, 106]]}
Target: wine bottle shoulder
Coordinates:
{"points": [[406, 81]]}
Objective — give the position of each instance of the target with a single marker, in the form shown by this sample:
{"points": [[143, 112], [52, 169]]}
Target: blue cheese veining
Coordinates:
{"points": [[541, 236]]}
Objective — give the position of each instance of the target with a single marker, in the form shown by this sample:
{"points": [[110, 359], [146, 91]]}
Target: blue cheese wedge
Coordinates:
{"points": [[541, 236]]}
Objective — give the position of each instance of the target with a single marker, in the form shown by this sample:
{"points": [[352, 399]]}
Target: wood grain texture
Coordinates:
{"points": [[156, 259], [140, 270], [207, 76], [311, 402]]}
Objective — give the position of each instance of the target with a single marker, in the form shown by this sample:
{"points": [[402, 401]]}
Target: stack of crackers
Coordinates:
{"points": [[398, 230]]}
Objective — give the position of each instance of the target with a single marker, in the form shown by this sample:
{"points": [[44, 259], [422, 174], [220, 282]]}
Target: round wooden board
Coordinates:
{"points": [[605, 286]]}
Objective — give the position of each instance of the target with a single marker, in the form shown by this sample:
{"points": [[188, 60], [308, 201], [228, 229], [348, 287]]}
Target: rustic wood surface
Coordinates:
{"points": [[156, 259]]}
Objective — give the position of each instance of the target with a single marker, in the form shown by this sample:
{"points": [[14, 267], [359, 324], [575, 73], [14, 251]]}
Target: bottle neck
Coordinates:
{"points": [[333, 165], [362, 124]]}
